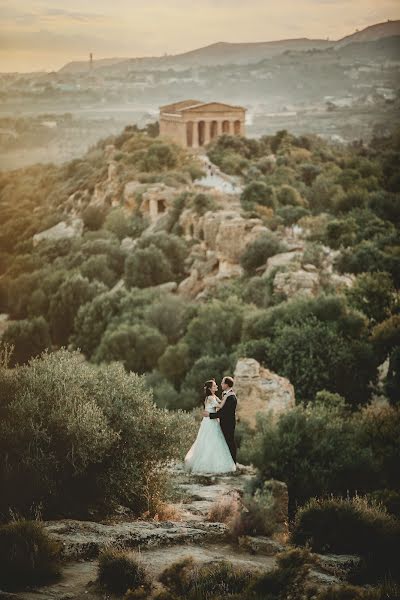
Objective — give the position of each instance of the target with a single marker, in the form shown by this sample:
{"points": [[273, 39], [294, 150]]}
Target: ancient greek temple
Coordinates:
{"points": [[193, 124]]}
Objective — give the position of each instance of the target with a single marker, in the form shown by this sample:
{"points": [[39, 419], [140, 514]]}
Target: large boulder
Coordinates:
{"points": [[283, 259], [225, 233], [259, 390], [59, 231], [301, 282]]}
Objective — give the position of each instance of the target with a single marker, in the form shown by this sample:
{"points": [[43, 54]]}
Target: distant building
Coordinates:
{"points": [[192, 123]]}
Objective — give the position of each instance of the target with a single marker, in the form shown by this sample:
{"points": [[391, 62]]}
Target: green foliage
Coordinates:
{"points": [[204, 368], [93, 217], [174, 362], [124, 225], [173, 248], [138, 347], [74, 436], [170, 315], [93, 318], [289, 196], [65, 303], [29, 338], [322, 448], [119, 571], [351, 526], [318, 344], [147, 267], [202, 582], [216, 328], [373, 294], [257, 192], [160, 156], [27, 555], [202, 203], [257, 253]]}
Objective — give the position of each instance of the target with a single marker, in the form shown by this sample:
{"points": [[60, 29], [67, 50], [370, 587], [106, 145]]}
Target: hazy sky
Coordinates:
{"points": [[44, 34]]}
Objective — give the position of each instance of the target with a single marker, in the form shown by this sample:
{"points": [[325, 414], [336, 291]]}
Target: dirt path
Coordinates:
{"points": [[159, 544]]}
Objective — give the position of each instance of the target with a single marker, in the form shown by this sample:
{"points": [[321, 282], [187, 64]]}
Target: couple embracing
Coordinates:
{"points": [[214, 450]]}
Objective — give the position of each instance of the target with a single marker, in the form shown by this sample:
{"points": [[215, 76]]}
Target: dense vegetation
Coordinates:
{"points": [[76, 438], [97, 306]]}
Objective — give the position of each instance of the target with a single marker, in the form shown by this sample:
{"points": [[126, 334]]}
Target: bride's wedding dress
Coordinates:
{"points": [[210, 452]]}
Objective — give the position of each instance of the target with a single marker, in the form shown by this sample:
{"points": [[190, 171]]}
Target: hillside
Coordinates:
{"points": [[372, 33], [223, 53]]}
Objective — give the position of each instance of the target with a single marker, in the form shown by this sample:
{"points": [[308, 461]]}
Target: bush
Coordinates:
{"points": [[287, 580], [119, 571], [27, 555], [147, 267], [351, 526], [138, 347], [29, 338], [374, 294], [75, 436], [202, 203], [322, 449], [257, 253], [160, 157], [201, 582], [257, 192], [65, 303]]}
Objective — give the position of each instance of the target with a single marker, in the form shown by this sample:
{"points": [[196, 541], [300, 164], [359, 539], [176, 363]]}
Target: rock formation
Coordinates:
{"points": [[260, 391], [59, 231]]}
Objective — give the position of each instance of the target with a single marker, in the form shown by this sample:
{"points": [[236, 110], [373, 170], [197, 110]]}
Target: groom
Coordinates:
{"points": [[227, 414]]}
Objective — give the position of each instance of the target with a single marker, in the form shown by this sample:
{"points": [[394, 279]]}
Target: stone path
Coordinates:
{"points": [[159, 543]]}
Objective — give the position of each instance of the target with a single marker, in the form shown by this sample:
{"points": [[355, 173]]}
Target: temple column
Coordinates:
{"points": [[195, 134], [207, 132]]}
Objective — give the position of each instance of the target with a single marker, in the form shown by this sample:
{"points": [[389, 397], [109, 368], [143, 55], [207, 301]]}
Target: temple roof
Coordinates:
{"points": [[198, 106]]}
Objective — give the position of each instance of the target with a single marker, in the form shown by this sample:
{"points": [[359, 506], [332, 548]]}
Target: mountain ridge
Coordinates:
{"points": [[239, 52]]}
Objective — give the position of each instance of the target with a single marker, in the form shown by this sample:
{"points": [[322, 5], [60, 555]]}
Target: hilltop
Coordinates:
{"points": [[236, 53]]}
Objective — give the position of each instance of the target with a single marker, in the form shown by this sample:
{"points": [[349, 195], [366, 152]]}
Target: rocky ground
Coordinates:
{"points": [[161, 543]]}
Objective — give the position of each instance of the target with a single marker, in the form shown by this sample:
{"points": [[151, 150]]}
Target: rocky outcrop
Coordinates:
{"points": [[293, 283], [282, 260], [260, 390], [85, 539], [62, 230], [223, 236]]}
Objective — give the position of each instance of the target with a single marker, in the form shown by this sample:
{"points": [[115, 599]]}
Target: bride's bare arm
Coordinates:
{"points": [[221, 403]]}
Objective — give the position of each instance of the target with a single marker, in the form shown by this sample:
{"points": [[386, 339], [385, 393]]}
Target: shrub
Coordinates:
{"points": [[359, 449], [29, 338], [374, 294], [119, 571], [287, 580], [138, 347], [202, 203], [351, 592], [93, 217], [27, 555], [224, 510], [160, 156], [201, 582], [257, 252], [289, 196], [146, 267], [351, 526], [257, 192], [64, 305], [75, 436]]}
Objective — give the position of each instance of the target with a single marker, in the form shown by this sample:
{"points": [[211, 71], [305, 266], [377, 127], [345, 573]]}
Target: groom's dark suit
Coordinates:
{"points": [[227, 419]]}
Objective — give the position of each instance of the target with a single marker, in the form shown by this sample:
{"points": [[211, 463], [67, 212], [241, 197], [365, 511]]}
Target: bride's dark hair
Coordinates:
{"points": [[207, 389]]}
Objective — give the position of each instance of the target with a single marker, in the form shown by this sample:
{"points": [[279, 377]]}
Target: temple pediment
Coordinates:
{"points": [[213, 107]]}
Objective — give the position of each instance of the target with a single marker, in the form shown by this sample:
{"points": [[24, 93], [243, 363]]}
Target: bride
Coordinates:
{"points": [[210, 452]]}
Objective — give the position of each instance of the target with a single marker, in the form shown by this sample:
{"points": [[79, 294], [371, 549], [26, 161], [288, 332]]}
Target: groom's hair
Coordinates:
{"points": [[228, 381]]}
